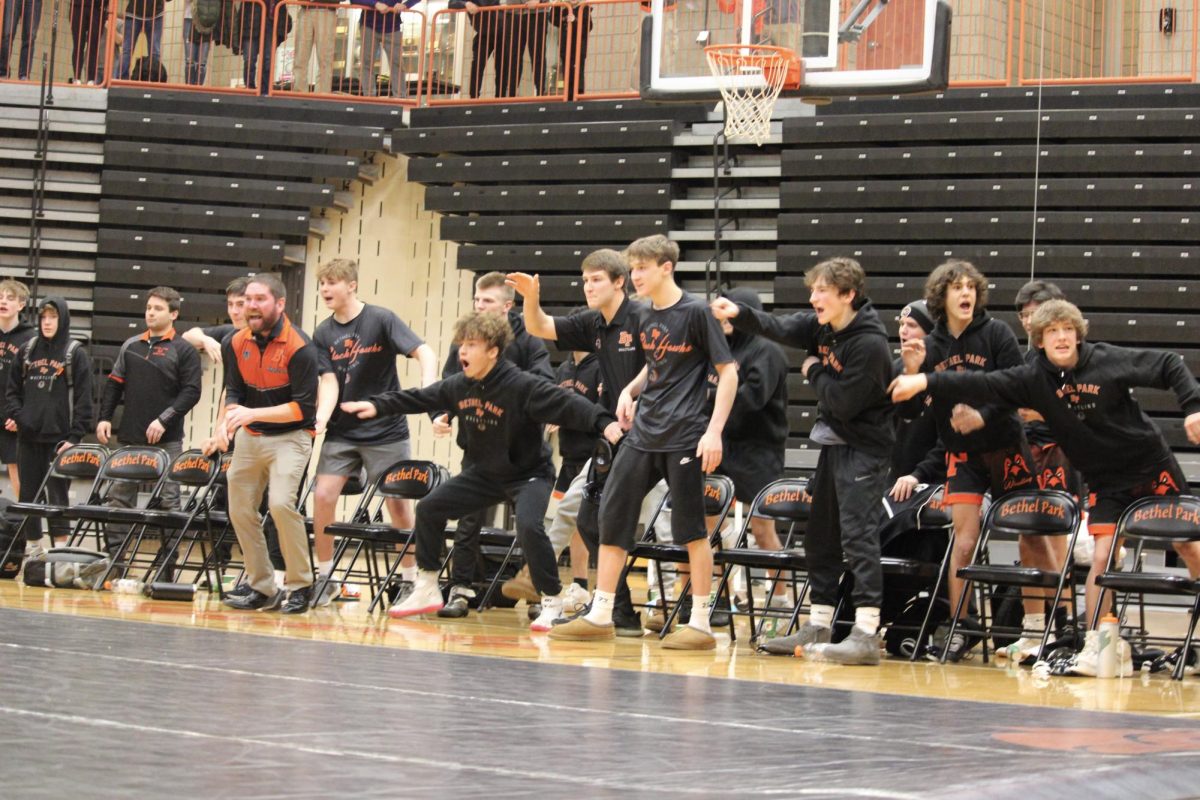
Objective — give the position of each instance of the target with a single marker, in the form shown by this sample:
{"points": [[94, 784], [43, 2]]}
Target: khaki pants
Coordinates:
{"points": [[277, 464], [314, 26]]}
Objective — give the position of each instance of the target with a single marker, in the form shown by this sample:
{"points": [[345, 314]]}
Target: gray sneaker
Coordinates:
{"points": [[327, 595], [858, 649], [807, 634]]}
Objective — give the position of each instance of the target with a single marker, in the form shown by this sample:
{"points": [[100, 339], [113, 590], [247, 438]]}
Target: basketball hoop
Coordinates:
{"points": [[751, 77]]}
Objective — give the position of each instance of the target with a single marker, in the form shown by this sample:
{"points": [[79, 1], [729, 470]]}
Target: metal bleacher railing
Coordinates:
{"points": [[459, 52]]}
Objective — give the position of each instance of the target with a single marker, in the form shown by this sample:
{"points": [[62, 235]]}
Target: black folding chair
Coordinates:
{"points": [[718, 501], [371, 535], [82, 462], [137, 465], [196, 475], [1032, 513], [783, 502], [1164, 520]]}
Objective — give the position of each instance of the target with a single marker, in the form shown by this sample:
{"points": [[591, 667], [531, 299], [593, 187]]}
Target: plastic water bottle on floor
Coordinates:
{"points": [[125, 586], [1110, 637]]}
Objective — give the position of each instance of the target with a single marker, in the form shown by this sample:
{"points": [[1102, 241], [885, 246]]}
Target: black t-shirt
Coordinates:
{"points": [[583, 379], [362, 355], [621, 359], [679, 342]]}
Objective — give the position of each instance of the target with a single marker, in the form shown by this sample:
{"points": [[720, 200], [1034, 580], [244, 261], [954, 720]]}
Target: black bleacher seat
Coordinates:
{"points": [[204, 127], [650, 166], [180, 275], [132, 301], [518, 113], [218, 159], [918, 259], [974, 126], [531, 258], [190, 245], [992, 159], [249, 107], [562, 197], [214, 189], [1149, 95], [981, 193], [619, 136], [147, 214], [554, 228]]}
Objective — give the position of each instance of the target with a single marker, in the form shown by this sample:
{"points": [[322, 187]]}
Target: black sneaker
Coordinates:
{"points": [[459, 603], [241, 590], [298, 601], [627, 623], [967, 634], [255, 601], [720, 618]]}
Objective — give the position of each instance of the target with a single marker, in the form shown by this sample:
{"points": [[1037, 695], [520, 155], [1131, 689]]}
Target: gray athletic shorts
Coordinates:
{"points": [[339, 457]]}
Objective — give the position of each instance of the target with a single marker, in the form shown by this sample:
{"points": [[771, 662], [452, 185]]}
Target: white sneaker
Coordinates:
{"points": [[426, 598], [552, 609], [1087, 660], [1023, 650], [574, 599], [34, 551]]}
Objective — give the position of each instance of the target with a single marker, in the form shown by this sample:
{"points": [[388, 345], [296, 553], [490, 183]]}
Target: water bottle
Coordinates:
{"points": [[125, 586], [1110, 637]]}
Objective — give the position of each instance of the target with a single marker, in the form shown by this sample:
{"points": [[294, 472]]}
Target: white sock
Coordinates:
{"points": [[602, 608], [1034, 622], [280, 579], [821, 616], [408, 574], [325, 568], [552, 603], [699, 620], [867, 619]]}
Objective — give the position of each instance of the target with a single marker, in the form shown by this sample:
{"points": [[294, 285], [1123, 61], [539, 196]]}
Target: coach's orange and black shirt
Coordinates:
{"points": [[274, 369]]}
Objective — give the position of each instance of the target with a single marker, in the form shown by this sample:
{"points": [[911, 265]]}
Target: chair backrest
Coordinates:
{"points": [[1170, 518], [718, 495], [193, 468], [1045, 512], [136, 464], [782, 500], [80, 462], [410, 479]]}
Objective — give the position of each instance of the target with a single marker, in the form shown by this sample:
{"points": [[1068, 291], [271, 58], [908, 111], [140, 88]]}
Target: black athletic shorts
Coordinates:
{"points": [[8, 447], [750, 469], [566, 474], [1107, 505], [970, 475], [634, 473]]}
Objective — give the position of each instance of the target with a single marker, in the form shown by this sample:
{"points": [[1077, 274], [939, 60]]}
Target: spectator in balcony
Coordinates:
{"points": [[87, 21], [141, 17], [382, 31], [259, 39], [491, 29], [27, 14], [315, 28], [574, 25], [528, 34], [802, 26], [196, 47]]}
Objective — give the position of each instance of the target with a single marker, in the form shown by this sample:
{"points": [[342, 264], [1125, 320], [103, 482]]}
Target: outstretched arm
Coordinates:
{"points": [[537, 321]]}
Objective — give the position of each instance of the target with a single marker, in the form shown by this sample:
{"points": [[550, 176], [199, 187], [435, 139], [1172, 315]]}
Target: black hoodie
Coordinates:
{"points": [[985, 345], [501, 417], [759, 413], [852, 377], [918, 451], [527, 351], [11, 344], [1093, 416], [38, 397]]}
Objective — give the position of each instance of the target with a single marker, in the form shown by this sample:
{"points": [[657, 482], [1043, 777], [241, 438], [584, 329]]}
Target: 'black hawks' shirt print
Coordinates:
{"points": [[362, 354], [679, 343]]}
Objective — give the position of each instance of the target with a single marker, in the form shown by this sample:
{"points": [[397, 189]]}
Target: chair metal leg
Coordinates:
{"points": [[933, 598]]}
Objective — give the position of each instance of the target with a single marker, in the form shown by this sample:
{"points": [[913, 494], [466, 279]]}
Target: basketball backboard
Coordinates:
{"points": [[848, 47]]}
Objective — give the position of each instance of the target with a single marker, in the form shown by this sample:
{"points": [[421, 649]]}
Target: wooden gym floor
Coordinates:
{"points": [[116, 696]]}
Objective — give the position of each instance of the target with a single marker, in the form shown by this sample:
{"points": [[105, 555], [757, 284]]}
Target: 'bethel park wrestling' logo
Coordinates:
{"points": [[483, 414]]}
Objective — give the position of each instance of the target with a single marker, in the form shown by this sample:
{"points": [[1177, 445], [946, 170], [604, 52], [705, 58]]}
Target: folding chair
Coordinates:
{"points": [[1164, 520], [136, 464], [718, 502], [80, 462], [405, 480], [1032, 513], [196, 475], [781, 501]]}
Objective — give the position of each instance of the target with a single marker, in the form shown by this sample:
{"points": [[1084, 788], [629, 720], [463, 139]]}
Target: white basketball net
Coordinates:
{"points": [[750, 79]]}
